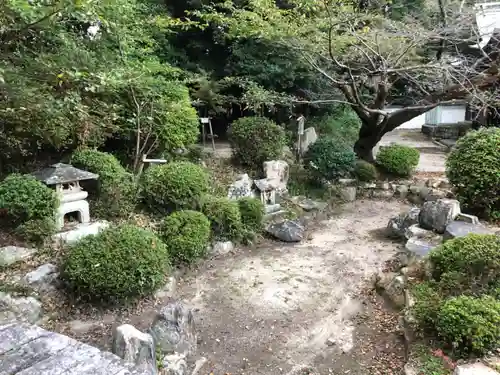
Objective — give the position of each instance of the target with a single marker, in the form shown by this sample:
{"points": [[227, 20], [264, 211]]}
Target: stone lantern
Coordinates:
{"points": [[65, 179]]}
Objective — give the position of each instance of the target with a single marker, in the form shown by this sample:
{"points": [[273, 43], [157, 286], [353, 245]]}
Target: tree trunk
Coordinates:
{"points": [[367, 140]]}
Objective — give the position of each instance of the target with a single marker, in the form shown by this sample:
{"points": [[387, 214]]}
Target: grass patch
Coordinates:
{"points": [[432, 362]]}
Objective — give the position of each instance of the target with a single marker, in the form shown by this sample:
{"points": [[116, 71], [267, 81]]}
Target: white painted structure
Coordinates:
{"points": [[488, 19], [448, 114]]}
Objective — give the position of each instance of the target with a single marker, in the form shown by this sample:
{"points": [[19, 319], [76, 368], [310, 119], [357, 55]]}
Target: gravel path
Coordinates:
{"points": [[274, 308]]}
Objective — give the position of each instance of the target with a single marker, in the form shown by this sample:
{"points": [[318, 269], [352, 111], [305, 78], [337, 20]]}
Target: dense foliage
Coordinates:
{"points": [[473, 168], [398, 159], [364, 171], [256, 139], [118, 263], [470, 324], [186, 235], [175, 185], [469, 264], [342, 125], [252, 212], [328, 159], [460, 300], [29, 206], [225, 217], [116, 192]]}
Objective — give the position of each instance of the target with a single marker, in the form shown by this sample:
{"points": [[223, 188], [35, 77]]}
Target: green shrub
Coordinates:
{"points": [[467, 264], [252, 212], [24, 198], [427, 304], [327, 159], [118, 263], [343, 125], [398, 160], [186, 234], [117, 191], [175, 185], [256, 140], [470, 324], [225, 217], [364, 171], [36, 231], [473, 169]]}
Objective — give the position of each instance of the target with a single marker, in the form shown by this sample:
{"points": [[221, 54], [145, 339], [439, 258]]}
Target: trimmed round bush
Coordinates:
{"points": [[473, 169], [467, 264], [118, 263], [256, 140], [105, 165], [398, 160], [471, 325], [252, 212], [116, 189], [428, 301], [186, 234], [225, 217], [24, 198], [364, 171], [178, 184], [327, 159]]}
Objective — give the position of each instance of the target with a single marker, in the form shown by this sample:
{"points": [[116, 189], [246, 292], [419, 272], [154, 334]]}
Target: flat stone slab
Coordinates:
{"points": [[82, 230], [460, 229], [475, 369], [30, 350], [13, 254]]}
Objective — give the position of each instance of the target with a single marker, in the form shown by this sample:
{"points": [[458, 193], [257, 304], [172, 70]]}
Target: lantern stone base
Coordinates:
{"points": [[81, 230], [80, 206]]}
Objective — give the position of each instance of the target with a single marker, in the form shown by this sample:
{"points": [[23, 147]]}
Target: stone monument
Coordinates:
{"points": [[65, 179]]}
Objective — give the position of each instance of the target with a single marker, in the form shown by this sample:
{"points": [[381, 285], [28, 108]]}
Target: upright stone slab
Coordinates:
{"points": [[308, 139], [436, 215], [174, 329], [279, 171], [135, 347]]}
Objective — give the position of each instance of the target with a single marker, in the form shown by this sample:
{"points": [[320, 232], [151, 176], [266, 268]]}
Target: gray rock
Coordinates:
{"points": [[382, 194], [279, 171], [43, 276], [347, 181], [460, 229], [401, 191], [415, 231], [222, 247], [175, 364], [435, 194], [347, 193], [392, 287], [135, 347], [287, 231], [23, 309], [409, 369], [438, 214], [13, 254], [170, 287], [398, 225], [474, 369], [467, 218], [270, 208], [174, 329], [422, 246], [308, 204], [242, 187]]}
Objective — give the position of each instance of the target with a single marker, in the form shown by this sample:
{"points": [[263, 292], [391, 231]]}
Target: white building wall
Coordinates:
{"points": [[414, 123]]}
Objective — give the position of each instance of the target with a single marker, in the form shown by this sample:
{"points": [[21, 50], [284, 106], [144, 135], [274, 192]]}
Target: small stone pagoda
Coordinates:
{"points": [[66, 181]]}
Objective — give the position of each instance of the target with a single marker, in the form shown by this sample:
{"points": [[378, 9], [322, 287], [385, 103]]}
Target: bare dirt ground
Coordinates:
{"points": [[277, 307]]}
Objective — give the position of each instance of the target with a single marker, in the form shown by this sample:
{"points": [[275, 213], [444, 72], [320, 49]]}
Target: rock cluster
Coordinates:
{"points": [[416, 192], [172, 337]]}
